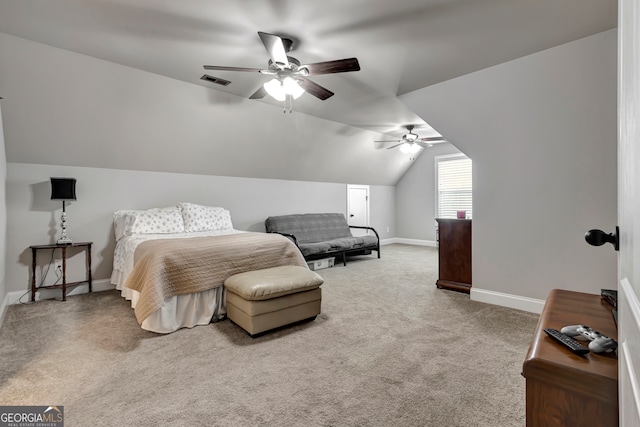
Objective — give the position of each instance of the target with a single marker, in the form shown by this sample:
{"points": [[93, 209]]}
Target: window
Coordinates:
{"points": [[453, 185]]}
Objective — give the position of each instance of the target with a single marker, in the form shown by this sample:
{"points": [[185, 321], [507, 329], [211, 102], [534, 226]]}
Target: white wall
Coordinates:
{"points": [[382, 210], [415, 196], [34, 219], [541, 131], [3, 221]]}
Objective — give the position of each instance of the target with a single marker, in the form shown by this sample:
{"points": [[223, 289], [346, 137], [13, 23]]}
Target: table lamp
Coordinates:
{"points": [[63, 189]]}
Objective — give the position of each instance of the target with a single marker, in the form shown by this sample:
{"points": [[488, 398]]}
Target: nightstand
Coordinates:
{"points": [[64, 285]]}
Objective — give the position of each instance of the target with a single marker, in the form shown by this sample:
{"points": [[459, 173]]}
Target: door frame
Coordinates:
{"points": [[628, 210], [368, 201]]}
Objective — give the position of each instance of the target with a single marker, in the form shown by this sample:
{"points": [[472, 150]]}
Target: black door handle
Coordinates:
{"points": [[351, 216], [599, 238]]}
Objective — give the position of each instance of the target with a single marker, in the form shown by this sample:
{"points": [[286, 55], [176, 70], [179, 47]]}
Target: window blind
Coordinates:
{"points": [[454, 193]]}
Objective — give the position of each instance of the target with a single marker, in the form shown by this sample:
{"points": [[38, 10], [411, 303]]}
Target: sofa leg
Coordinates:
{"points": [[344, 259]]}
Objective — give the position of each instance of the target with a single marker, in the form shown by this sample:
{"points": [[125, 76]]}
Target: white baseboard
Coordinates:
{"points": [[16, 297], [390, 241], [96, 286], [9, 299], [481, 295], [6, 303], [102, 285], [415, 242], [507, 300]]}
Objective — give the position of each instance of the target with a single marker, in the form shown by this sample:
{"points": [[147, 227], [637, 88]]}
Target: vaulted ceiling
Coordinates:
{"points": [[401, 45]]}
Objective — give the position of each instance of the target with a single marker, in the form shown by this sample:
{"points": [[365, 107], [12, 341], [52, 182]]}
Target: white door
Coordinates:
{"points": [[629, 211], [358, 207]]}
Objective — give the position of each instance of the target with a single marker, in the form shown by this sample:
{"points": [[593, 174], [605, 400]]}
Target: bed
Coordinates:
{"points": [[171, 262]]}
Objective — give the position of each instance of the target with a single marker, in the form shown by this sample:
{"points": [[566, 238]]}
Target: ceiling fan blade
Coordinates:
{"points": [[397, 140], [314, 88], [259, 94], [394, 146], [433, 138], [332, 67], [221, 68], [429, 144], [275, 47]]}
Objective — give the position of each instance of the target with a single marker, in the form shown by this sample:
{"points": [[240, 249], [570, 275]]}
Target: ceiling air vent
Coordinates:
{"points": [[215, 80]]}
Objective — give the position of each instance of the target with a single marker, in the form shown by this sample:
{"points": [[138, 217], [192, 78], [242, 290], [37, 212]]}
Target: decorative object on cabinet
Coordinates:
{"points": [[454, 254], [63, 189]]}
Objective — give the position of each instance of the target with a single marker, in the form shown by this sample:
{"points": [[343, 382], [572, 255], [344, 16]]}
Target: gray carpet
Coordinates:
{"points": [[389, 349]]}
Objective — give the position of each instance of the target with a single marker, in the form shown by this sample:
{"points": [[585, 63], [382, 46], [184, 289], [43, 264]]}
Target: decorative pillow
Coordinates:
{"points": [[151, 221], [122, 221], [205, 218]]}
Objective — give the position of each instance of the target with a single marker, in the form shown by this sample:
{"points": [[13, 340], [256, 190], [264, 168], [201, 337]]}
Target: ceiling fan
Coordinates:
{"points": [[290, 77], [411, 142]]}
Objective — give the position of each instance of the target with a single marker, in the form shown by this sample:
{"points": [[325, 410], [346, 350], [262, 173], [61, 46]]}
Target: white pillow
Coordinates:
{"points": [[205, 218], [151, 221], [122, 221]]}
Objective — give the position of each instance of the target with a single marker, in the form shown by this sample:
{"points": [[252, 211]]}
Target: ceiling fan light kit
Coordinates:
{"points": [[290, 80], [411, 142], [409, 148], [279, 89]]}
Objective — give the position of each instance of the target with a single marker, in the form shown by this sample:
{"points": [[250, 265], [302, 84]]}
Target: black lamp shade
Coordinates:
{"points": [[63, 188]]}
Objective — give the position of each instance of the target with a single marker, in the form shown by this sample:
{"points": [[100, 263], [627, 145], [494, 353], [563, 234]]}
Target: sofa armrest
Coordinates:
{"points": [[290, 236], [366, 228]]}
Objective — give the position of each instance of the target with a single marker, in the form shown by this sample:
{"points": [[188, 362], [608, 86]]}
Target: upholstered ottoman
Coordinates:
{"points": [[261, 300]]}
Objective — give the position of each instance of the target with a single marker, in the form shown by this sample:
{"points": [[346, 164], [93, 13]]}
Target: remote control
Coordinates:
{"points": [[566, 341]]}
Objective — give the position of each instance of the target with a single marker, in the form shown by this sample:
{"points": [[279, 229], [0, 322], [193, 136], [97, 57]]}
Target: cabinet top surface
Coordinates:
{"points": [[56, 245], [453, 219], [565, 308]]}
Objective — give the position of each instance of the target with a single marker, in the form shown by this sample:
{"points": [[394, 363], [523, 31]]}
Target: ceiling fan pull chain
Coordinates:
{"points": [[290, 99]]}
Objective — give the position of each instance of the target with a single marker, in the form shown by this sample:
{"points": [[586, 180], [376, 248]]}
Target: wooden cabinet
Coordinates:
{"points": [[454, 254], [563, 388]]}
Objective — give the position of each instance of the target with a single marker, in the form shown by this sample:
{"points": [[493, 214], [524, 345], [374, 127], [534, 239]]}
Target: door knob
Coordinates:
{"points": [[599, 238], [351, 216]]}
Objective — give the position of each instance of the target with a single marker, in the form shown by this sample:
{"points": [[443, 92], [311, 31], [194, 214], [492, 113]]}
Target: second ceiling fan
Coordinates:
{"points": [[290, 77], [411, 142]]}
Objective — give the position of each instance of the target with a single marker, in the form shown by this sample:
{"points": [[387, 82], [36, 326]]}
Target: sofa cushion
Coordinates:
{"points": [[308, 249], [310, 228], [369, 240], [342, 244]]}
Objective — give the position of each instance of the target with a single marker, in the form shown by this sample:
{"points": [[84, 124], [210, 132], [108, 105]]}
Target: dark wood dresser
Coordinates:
{"points": [[563, 388], [454, 254]]}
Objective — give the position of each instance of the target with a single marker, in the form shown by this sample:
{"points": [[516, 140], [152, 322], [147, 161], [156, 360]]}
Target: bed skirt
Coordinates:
{"points": [[179, 311]]}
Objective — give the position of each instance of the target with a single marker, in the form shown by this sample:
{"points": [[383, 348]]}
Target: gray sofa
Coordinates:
{"points": [[322, 235]]}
